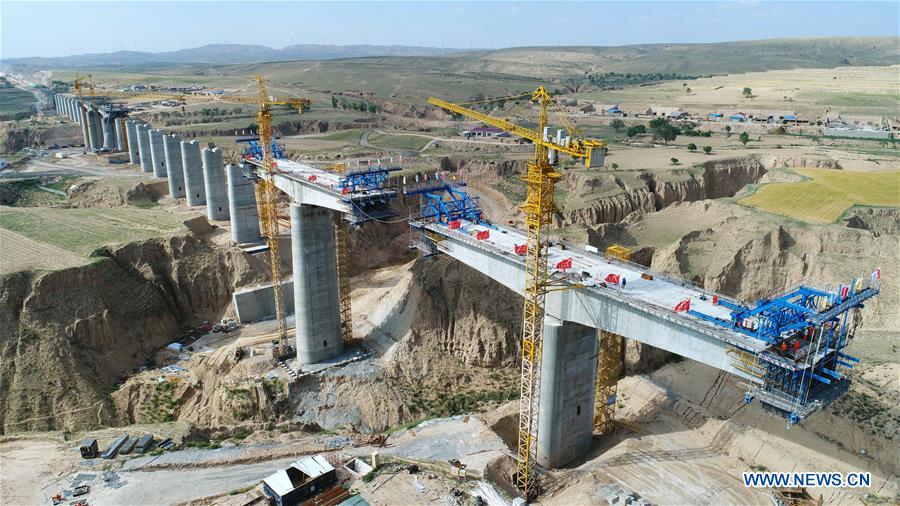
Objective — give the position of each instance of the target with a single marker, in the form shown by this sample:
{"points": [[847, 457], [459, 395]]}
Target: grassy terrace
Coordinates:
{"points": [[827, 194], [84, 230], [15, 102]]}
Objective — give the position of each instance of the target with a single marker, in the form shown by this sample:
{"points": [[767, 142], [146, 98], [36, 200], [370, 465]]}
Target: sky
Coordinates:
{"points": [[37, 28]]}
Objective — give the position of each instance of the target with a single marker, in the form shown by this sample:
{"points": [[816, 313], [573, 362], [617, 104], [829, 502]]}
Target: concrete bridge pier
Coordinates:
{"points": [[108, 127], [143, 138], [83, 120], [316, 304], [174, 170], [134, 156], [568, 375], [242, 207], [120, 134], [93, 127], [216, 188], [194, 187], [157, 153]]}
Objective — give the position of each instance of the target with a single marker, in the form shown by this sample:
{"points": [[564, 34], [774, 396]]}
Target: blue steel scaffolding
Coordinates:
{"points": [[802, 366]]}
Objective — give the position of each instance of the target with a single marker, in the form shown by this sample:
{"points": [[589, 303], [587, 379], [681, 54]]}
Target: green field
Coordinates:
{"points": [[397, 141], [84, 230], [15, 103], [827, 194]]}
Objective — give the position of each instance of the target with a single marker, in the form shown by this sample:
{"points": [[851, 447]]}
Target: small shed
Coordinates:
{"points": [[304, 479]]}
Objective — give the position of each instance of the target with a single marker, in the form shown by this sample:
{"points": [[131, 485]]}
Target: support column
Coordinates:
{"points": [[194, 187], [216, 188], [120, 134], [242, 206], [98, 127], [134, 156], [174, 170], [157, 153], [568, 373], [85, 131], [316, 308], [109, 129], [143, 138], [93, 130]]}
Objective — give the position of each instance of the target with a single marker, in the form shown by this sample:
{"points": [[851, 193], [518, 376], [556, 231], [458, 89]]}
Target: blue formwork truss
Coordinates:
{"points": [[254, 150], [376, 177], [801, 366], [446, 202]]}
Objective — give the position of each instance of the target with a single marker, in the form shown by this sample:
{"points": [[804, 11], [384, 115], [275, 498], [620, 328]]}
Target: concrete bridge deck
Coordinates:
{"points": [[642, 310], [309, 185]]}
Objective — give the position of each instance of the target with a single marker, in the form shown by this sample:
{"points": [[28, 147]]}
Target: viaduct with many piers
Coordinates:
{"points": [[788, 350]]}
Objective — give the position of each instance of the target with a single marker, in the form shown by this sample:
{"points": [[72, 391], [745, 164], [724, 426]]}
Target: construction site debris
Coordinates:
{"points": [[89, 449], [114, 447]]}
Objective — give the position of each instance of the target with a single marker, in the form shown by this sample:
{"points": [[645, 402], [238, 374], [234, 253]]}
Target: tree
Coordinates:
{"points": [[707, 149], [373, 108], [747, 92], [615, 166], [692, 147], [663, 130], [617, 124], [744, 138], [688, 90], [333, 102], [727, 130], [635, 130], [673, 160]]}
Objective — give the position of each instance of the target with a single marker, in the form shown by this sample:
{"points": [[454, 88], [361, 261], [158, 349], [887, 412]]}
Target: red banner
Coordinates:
{"points": [[484, 234], [454, 225], [715, 300], [521, 249], [684, 305], [612, 278], [312, 179], [845, 291], [564, 264]]}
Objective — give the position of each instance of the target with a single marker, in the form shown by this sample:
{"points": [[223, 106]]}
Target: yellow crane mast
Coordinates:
{"points": [[79, 87], [267, 195], [540, 179], [266, 191]]}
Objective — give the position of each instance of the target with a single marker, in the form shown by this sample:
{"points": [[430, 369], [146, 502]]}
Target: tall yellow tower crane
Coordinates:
{"points": [[267, 193], [79, 87], [538, 207]]}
